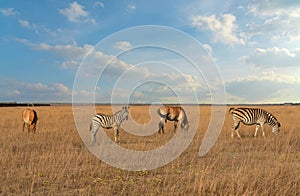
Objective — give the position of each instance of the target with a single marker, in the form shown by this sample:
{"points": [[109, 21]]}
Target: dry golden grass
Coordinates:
{"points": [[55, 160]]}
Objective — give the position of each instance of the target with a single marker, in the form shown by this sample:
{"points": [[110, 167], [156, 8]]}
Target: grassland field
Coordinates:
{"points": [[55, 160]]}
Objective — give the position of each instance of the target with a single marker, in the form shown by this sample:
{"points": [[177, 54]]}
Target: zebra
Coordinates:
{"points": [[251, 116], [30, 119], [108, 121]]}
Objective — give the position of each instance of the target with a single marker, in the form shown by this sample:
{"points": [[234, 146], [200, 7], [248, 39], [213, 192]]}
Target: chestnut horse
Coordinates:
{"points": [[172, 113], [30, 119]]}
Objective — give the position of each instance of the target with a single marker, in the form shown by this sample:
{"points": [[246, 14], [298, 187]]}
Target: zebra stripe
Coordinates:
{"points": [[108, 121], [251, 116]]}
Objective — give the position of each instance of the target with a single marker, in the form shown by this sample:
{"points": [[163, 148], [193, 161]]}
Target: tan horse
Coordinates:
{"points": [[172, 113], [30, 119]]}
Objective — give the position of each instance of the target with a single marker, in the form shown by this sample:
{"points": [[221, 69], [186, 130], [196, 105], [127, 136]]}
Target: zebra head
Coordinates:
{"points": [[276, 128], [125, 111]]}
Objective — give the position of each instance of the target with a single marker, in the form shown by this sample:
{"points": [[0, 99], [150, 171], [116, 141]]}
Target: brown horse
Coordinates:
{"points": [[172, 113], [30, 119]]}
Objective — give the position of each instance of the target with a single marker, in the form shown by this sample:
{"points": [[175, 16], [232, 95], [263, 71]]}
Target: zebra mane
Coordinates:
{"points": [[121, 113]]}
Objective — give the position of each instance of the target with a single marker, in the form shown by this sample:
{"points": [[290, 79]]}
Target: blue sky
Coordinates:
{"points": [[255, 44]]}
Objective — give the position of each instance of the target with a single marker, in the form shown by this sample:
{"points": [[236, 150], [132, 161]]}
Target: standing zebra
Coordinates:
{"points": [[109, 121], [251, 116]]}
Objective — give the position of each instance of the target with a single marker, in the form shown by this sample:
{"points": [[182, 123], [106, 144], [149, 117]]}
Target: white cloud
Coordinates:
{"points": [[9, 12], [118, 71], [69, 51], [224, 28], [265, 87], [277, 51], [274, 8], [280, 19], [99, 4], [76, 13], [37, 28], [92, 60], [274, 57], [70, 64], [271, 76], [26, 91], [28, 25], [14, 93], [131, 6], [61, 88], [123, 45], [278, 28], [24, 23]]}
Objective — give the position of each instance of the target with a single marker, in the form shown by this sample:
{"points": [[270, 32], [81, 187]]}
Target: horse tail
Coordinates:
{"points": [[185, 120], [35, 117]]}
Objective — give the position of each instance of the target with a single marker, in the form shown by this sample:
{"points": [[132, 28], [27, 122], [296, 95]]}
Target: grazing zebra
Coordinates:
{"points": [[30, 119], [176, 114], [109, 121], [251, 116]]}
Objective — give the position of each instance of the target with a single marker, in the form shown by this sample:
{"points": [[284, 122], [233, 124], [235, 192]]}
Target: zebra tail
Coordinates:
{"points": [[91, 126]]}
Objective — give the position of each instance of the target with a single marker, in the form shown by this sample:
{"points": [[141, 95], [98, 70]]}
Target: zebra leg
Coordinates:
{"points": [[93, 137], [116, 134], [256, 129], [235, 129], [93, 133], [262, 129], [237, 132]]}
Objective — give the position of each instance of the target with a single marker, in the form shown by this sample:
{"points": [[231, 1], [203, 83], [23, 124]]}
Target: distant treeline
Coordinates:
{"points": [[185, 104], [264, 104], [15, 104]]}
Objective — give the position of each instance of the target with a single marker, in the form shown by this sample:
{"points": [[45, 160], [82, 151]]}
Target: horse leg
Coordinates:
{"points": [[175, 125], [23, 126]]}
